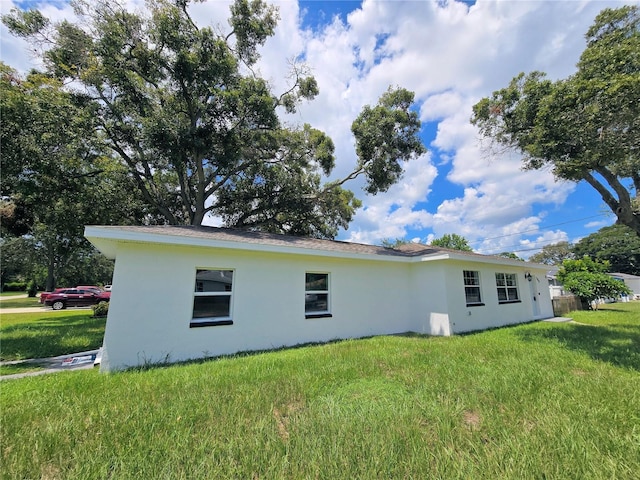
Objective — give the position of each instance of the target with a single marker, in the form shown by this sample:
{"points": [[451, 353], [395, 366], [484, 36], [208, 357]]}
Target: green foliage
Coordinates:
{"points": [[32, 289], [617, 244], [584, 264], [15, 287], [383, 407], [198, 130], [393, 243], [100, 309], [385, 135], [553, 254], [56, 179], [452, 241], [511, 255], [585, 127], [588, 280], [590, 286]]}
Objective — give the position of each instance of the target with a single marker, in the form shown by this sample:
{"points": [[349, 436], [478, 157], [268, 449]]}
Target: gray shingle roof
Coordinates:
{"points": [[407, 250]]}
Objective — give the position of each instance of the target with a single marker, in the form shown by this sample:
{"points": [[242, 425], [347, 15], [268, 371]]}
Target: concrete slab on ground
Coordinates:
{"points": [[74, 361], [558, 319]]}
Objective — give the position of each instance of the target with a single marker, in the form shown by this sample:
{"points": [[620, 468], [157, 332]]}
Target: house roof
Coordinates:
{"points": [[106, 238], [625, 276]]}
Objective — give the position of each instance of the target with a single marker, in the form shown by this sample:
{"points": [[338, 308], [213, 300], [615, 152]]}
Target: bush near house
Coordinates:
{"points": [[100, 309], [588, 280]]}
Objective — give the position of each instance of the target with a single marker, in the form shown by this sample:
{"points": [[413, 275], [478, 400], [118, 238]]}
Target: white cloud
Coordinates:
{"points": [[451, 55]]}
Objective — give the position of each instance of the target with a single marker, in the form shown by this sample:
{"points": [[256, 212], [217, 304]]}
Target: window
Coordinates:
{"points": [[507, 288], [212, 298], [316, 295], [472, 288]]}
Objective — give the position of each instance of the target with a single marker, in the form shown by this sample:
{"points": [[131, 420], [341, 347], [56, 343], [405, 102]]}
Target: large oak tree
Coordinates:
{"points": [[183, 107], [54, 180], [587, 126]]}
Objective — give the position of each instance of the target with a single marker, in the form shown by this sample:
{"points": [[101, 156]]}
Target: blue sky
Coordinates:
{"points": [[451, 54]]}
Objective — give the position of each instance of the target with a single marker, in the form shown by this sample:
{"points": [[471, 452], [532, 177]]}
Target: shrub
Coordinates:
{"points": [[592, 286], [100, 309], [15, 287], [32, 289]]}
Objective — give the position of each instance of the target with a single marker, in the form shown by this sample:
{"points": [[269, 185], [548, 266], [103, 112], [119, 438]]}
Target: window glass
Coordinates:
{"points": [[472, 287], [214, 280], [507, 287], [316, 298], [317, 281], [316, 302], [206, 307], [212, 294]]}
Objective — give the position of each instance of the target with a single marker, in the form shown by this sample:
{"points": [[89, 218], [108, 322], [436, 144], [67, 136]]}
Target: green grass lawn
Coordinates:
{"points": [[541, 400], [9, 302], [48, 334]]}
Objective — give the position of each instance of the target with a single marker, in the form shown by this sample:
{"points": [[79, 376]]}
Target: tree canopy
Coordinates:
{"points": [[618, 245], [182, 107], [585, 127], [54, 179], [553, 254], [452, 241]]}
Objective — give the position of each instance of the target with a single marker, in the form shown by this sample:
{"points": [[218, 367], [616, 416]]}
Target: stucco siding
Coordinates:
{"points": [[371, 291], [152, 302], [429, 299], [491, 313]]}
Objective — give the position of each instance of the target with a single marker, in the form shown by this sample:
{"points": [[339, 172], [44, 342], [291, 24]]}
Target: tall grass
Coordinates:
{"points": [[532, 401]]}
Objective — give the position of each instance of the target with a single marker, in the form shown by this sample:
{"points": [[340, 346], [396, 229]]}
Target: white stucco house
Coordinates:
{"points": [[183, 292]]}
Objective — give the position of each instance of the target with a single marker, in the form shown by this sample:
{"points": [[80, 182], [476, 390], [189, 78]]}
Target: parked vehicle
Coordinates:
{"points": [[45, 295], [74, 297], [102, 295]]}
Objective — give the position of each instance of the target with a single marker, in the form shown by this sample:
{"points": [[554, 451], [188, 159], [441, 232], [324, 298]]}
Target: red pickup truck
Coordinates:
{"points": [[80, 296]]}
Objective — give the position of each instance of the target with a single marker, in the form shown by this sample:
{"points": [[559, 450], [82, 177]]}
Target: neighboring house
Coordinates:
{"points": [[190, 292], [556, 288], [631, 281]]}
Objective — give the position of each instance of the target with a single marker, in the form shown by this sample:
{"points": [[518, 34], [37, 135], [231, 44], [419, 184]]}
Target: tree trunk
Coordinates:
{"points": [[51, 279]]}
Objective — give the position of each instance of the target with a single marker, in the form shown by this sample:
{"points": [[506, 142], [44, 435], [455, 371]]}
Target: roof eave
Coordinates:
{"points": [[107, 239]]}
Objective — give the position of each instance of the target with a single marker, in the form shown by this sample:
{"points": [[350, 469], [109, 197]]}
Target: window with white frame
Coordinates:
{"points": [[472, 287], [316, 295], [507, 286], [212, 298]]}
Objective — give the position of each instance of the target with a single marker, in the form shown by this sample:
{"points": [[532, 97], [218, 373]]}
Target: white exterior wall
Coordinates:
{"points": [[153, 288], [430, 299], [492, 314], [152, 302]]}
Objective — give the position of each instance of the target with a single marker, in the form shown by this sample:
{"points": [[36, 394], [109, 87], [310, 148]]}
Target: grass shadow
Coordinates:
{"points": [[617, 344]]}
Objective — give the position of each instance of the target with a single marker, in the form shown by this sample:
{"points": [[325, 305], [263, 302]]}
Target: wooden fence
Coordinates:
{"points": [[565, 304]]}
